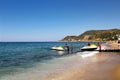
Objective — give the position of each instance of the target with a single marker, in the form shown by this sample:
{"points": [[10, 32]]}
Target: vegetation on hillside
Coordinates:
{"points": [[95, 35]]}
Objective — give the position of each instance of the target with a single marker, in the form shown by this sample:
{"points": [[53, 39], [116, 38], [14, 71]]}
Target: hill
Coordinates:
{"points": [[95, 35]]}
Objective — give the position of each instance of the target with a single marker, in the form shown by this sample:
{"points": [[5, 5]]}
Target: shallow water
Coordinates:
{"points": [[28, 58]]}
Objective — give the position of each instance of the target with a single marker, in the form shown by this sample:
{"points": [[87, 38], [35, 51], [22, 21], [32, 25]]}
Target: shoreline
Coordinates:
{"points": [[101, 66]]}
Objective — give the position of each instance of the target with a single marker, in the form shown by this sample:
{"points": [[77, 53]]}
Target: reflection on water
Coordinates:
{"points": [[60, 52]]}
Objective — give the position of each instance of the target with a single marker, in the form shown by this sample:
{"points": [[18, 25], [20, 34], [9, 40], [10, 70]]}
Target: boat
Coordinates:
{"points": [[90, 47], [58, 48]]}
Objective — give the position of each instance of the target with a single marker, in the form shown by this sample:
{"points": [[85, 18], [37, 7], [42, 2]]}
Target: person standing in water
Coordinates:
{"points": [[99, 47], [71, 48], [66, 47]]}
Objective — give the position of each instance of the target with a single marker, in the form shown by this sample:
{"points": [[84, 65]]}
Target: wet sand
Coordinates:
{"points": [[102, 66]]}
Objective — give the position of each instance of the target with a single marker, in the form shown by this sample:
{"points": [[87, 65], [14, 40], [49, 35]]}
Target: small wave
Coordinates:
{"points": [[87, 53]]}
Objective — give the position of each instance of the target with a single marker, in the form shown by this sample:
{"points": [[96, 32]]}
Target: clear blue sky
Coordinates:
{"points": [[51, 20]]}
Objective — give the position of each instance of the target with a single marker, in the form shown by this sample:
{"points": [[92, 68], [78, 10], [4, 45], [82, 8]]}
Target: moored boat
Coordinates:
{"points": [[59, 48], [90, 47]]}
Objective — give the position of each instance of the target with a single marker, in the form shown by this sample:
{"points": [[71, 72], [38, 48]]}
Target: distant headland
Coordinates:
{"points": [[94, 35]]}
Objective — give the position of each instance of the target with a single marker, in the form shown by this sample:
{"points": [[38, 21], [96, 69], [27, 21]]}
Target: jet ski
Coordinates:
{"points": [[58, 48], [90, 47]]}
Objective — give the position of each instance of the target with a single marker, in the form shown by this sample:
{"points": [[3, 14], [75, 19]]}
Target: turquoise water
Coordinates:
{"points": [[18, 56]]}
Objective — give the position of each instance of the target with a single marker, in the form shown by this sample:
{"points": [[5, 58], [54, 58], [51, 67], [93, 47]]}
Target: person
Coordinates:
{"points": [[66, 47], [99, 46], [71, 48], [88, 44]]}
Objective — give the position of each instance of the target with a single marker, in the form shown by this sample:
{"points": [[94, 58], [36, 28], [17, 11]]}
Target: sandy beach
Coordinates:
{"points": [[99, 67], [103, 66]]}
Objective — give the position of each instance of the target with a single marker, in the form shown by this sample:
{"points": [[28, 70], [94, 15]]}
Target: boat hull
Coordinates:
{"points": [[88, 49], [57, 49]]}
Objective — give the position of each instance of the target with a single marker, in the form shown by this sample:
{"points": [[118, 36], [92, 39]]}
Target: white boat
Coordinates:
{"points": [[90, 47], [59, 48]]}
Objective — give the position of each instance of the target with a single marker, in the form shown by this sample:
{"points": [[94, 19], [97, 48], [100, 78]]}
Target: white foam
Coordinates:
{"points": [[87, 53]]}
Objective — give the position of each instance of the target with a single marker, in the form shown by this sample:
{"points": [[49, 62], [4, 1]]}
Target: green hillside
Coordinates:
{"points": [[95, 35]]}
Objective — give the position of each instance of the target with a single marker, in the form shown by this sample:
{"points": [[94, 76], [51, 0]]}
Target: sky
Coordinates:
{"points": [[52, 20]]}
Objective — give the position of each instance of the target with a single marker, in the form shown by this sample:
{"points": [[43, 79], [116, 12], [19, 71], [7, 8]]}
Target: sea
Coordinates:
{"points": [[21, 57]]}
